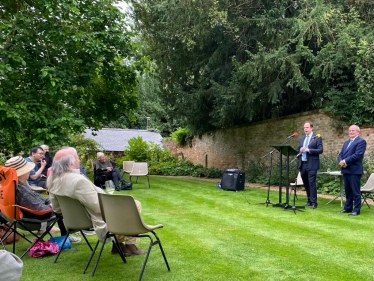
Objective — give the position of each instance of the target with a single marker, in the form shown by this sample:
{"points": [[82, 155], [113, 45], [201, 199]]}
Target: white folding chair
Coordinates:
{"points": [[127, 167], [294, 185], [140, 169], [367, 191]]}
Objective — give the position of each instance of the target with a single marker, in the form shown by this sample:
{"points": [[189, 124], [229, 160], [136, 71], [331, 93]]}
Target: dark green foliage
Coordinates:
{"points": [[224, 63], [62, 69], [161, 161], [86, 149], [182, 167], [138, 150], [175, 168], [181, 136]]}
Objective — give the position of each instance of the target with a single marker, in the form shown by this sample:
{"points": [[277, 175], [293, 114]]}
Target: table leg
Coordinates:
{"points": [[341, 191]]}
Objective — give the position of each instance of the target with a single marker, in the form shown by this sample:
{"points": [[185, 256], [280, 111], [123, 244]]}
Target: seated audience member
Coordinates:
{"points": [[30, 199], [10, 266], [47, 157], [36, 156], [82, 170], [66, 180], [104, 166]]}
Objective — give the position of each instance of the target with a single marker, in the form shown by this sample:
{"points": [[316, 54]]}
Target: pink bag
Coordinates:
{"points": [[43, 248]]}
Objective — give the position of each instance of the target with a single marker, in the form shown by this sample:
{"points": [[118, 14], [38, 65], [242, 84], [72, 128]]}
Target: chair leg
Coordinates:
{"points": [[364, 197], [97, 259], [119, 249], [62, 246], [91, 256], [162, 250], [85, 239], [146, 257], [47, 231], [151, 244], [149, 185]]}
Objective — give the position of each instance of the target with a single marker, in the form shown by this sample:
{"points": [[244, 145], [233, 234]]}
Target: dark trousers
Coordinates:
{"points": [[352, 186], [309, 179], [115, 175]]}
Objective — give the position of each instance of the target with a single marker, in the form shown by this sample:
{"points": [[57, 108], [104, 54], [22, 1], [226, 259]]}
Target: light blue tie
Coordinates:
{"points": [[349, 143], [306, 142]]}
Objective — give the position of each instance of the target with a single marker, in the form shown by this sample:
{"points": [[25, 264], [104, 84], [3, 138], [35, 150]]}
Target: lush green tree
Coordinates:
{"points": [[64, 66], [223, 63]]}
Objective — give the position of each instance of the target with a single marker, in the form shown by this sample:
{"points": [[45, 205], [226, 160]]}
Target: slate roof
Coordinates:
{"points": [[117, 139]]}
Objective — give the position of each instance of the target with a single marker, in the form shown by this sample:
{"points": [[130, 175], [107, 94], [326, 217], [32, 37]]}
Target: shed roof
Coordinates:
{"points": [[117, 139]]}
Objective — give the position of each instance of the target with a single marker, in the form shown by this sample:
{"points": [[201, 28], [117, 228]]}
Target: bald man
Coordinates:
{"points": [[350, 160], [66, 180]]}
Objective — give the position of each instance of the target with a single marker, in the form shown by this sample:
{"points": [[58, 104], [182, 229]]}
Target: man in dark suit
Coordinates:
{"points": [[309, 148], [350, 160]]}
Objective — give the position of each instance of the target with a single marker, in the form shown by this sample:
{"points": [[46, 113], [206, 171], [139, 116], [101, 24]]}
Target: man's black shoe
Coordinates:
{"points": [[314, 206], [344, 211], [308, 204], [354, 214]]}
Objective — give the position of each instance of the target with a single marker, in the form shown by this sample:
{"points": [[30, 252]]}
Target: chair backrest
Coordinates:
{"points": [[121, 214], [299, 180], [139, 169], [74, 213], [369, 185], [8, 184], [127, 166]]}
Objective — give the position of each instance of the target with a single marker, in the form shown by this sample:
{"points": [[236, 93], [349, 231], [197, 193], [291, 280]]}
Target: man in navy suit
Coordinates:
{"points": [[309, 148], [350, 160]]}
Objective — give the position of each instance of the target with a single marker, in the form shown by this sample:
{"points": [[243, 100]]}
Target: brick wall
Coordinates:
{"points": [[234, 147]]}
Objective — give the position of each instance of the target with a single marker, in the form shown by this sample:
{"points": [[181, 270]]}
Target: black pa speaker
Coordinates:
{"points": [[233, 179]]}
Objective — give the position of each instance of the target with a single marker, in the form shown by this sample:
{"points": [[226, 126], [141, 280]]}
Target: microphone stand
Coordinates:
{"points": [[267, 202]]}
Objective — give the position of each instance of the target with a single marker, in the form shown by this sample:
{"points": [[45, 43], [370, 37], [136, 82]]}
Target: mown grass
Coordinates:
{"points": [[211, 234]]}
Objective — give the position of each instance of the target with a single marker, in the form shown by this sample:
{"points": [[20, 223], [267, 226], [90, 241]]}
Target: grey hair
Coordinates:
{"points": [[44, 146], [63, 165], [99, 154], [356, 127]]}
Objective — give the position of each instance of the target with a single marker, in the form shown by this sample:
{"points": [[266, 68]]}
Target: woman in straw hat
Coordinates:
{"points": [[25, 196], [28, 198]]}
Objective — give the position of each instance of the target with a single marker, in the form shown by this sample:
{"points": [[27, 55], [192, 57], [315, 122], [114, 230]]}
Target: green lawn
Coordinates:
{"points": [[211, 234]]}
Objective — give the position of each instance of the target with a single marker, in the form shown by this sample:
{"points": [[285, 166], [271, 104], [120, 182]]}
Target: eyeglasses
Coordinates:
{"points": [[40, 153]]}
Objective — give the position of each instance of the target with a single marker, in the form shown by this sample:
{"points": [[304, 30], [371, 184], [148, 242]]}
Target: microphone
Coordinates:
{"points": [[295, 134]]}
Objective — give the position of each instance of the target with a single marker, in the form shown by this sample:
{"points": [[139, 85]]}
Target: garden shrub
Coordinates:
{"points": [[181, 136]]}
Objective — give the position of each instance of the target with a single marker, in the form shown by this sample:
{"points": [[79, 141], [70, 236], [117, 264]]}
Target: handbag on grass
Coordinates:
{"points": [[59, 240], [43, 248]]}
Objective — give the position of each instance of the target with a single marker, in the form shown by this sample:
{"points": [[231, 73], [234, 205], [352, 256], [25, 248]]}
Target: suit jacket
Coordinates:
{"points": [[353, 156], [316, 148]]}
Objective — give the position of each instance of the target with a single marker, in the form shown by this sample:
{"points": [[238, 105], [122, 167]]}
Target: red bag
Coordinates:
{"points": [[43, 248]]}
